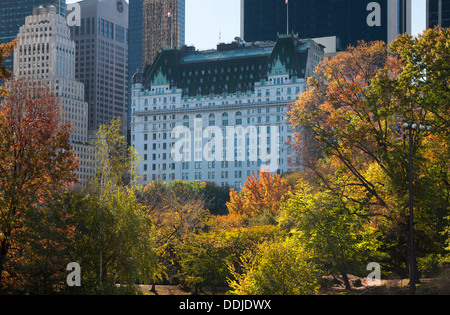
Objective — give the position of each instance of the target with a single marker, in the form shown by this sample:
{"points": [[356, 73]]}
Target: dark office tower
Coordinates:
{"points": [[102, 59], [438, 13], [164, 26], [135, 33], [348, 20], [13, 14]]}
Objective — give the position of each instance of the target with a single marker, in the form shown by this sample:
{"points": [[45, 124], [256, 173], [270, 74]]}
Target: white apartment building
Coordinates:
{"points": [[46, 53], [219, 115]]}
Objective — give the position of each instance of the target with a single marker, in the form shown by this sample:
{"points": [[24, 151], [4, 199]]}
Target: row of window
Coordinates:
{"points": [[104, 28], [224, 95]]}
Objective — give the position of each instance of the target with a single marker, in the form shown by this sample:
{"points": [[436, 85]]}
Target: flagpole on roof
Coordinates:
{"points": [[287, 17]]}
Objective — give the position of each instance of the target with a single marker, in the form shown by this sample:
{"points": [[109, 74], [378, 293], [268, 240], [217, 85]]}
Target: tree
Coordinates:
{"points": [[338, 238], [46, 247], [340, 111], [177, 211], [354, 109], [426, 65], [116, 236], [216, 198], [36, 161], [5, 51], [260, 196], [425, 80], [205, 257], [280, 267]]}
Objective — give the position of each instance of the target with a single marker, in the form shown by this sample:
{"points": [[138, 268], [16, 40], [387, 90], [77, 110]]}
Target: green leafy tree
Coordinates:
{"points": [[277, 268], [205, 257], [177, 212], [340, 240], [350, 118], [424, 86], [46, 243], [116, 239]]}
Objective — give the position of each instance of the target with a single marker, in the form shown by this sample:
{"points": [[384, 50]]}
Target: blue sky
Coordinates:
{"points": [[206, 20]]}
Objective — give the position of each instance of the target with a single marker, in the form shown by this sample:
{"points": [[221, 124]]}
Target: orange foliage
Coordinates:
{"points": [[259, 195], [36, 160], [5, 51]]}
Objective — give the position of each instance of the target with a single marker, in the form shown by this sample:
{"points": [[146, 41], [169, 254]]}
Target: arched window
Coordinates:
{"points": [[186, 121], [199, 121], [238, 118], [225, 119], [212, 119]]}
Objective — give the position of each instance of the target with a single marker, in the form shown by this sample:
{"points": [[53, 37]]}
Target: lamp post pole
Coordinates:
{"points": [[412, 267], [412, 127]]}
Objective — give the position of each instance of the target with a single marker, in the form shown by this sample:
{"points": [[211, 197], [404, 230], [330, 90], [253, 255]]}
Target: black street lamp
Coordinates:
{"points": [[412, 127]]}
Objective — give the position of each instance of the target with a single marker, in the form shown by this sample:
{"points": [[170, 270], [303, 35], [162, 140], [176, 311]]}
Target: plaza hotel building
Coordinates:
{"points": [[185, 102]]}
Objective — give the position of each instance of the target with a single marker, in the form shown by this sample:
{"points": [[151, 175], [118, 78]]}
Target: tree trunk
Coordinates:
{"points": [[101, 270], [4, 246], [346, 282], [153, 289]]}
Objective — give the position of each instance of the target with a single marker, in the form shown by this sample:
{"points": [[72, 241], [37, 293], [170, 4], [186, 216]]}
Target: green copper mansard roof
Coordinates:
{"points": [[231, 68]]}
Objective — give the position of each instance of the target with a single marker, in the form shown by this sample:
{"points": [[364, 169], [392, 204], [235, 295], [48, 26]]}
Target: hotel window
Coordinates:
{"points": [[186, 121], [212, 120], [225, 119], [238, 118]]}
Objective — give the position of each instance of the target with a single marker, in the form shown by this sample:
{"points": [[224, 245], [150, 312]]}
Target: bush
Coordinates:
{"points": [[278, 268]]}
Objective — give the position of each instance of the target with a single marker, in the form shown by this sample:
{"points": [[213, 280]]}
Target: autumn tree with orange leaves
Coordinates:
{"points": [[350, 117], [5, 51], [36, 163], [260, 195]]}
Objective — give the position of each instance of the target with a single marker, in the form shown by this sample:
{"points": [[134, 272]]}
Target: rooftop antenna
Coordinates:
{"points": [[287, 17]]}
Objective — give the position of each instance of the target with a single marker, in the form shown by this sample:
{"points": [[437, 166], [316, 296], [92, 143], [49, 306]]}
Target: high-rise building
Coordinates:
{"points": [[163, 25], [438, 13], [45, 53], [135, 47], [399, 18], [12, 17], [349, 20], [219, 115], [102, 59]]}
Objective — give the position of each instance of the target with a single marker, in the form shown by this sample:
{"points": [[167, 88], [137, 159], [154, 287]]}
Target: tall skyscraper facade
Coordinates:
{"points": [[438, 13], [163, 26], [135, 47], [45, 53], [348, 20], [102, 59], [13, 14]]}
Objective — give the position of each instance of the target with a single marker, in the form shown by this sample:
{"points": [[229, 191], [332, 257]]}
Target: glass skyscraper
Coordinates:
{"points": [[13, 14], [348, 20], [135, 33], [438, 13]]}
